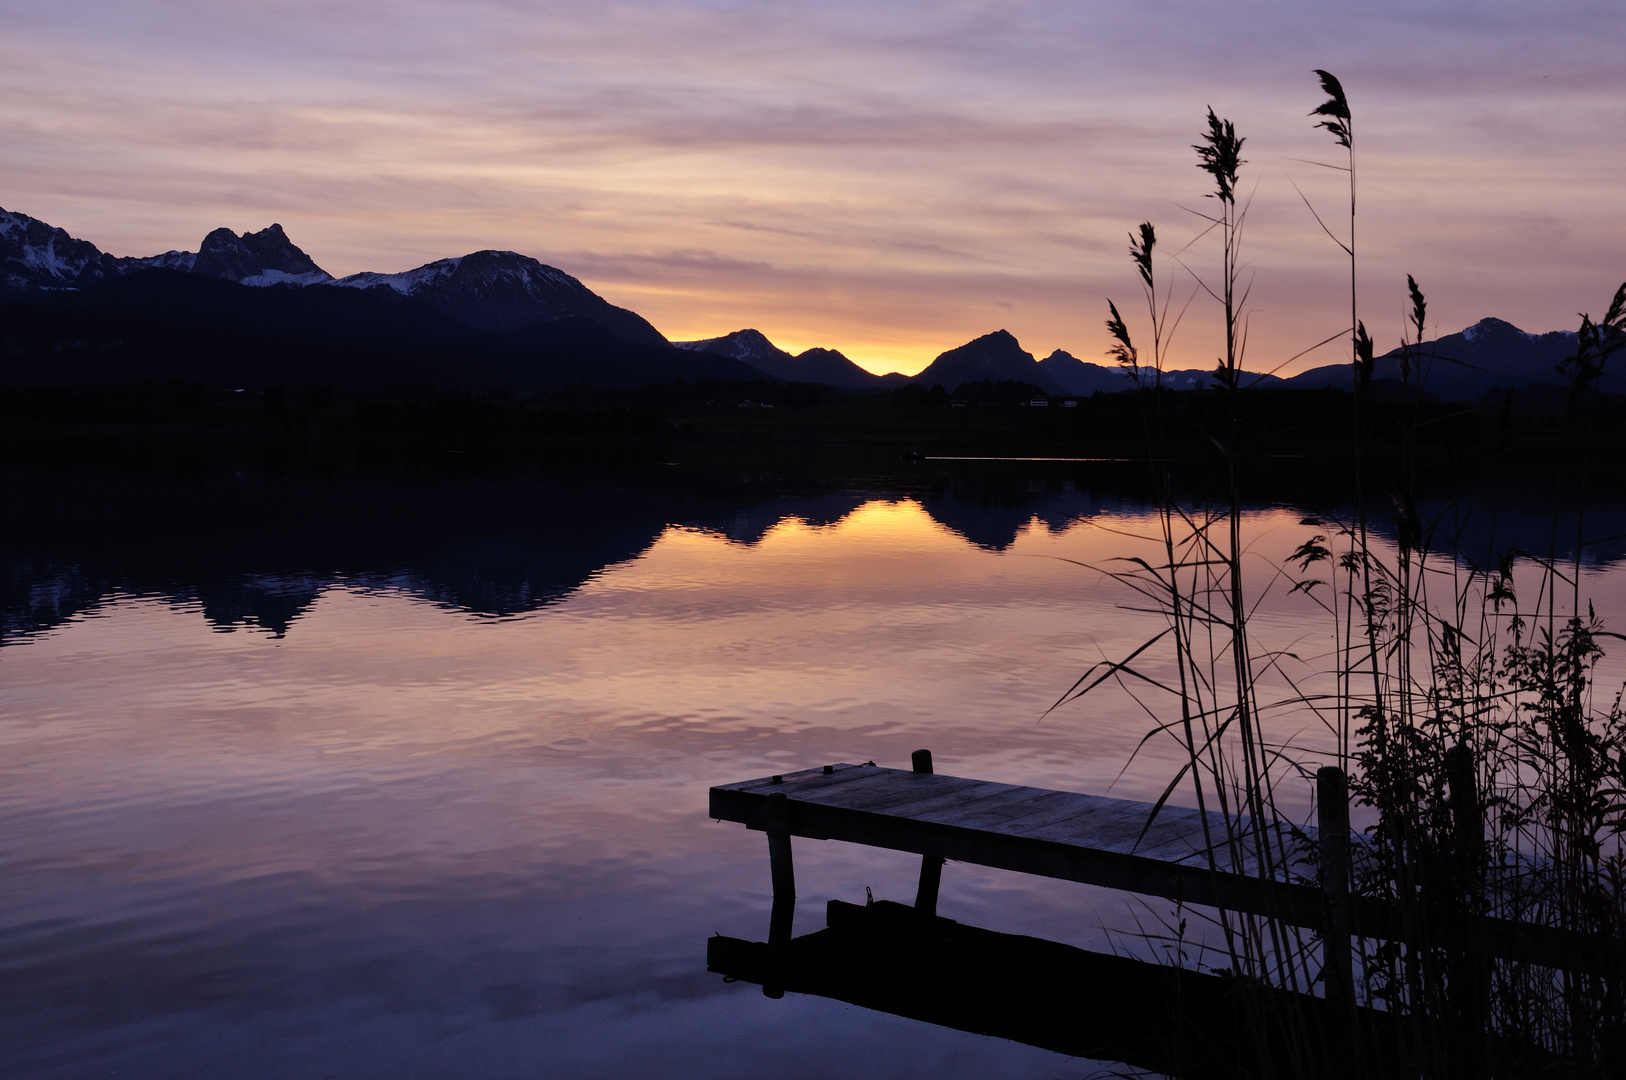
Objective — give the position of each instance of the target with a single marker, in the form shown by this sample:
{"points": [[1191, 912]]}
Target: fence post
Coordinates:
{"points": [[1471, 967], [931, 867], [1332, 819]]}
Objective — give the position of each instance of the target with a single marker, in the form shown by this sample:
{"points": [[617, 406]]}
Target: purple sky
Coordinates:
{"points": [[886, 178]]}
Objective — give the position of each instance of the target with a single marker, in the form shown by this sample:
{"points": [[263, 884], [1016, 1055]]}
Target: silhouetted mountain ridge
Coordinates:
{"points": [[485, 290], [74, 314], [995, 357], [1464, 366], [171, 326], [825, 366], [503, 290], [266, 257]]}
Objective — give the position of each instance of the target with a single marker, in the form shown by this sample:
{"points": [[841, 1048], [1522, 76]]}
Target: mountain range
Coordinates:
{"points": [[998, 357], [825, 366], [255, 309], [485, 290], [1466, 365]]}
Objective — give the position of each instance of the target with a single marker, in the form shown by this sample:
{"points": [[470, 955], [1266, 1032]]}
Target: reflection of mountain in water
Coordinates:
{"points": [[270, 601], [1482, 535], [993, 522], [1477, 531], [257, 554], [748, 521]]}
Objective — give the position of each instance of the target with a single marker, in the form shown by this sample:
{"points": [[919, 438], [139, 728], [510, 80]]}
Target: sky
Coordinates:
{"points": [[888, 178]]}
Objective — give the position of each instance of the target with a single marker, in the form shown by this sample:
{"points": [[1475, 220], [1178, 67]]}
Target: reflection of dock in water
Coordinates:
{"points": [[908, 961], [886, 957]]}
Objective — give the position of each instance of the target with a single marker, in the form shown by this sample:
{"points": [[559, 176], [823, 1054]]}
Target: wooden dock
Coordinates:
{"points": [[1057, 834], [1178, 853]]}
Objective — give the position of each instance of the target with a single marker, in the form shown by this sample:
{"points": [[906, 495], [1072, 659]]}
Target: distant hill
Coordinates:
{"points": [[999, 357], [1080, 377], [1075, 376], [1464, 366], [996, 357], [825, 366]]}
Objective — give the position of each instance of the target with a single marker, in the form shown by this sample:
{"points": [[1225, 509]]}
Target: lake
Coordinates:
{"points": [[392, 779]]}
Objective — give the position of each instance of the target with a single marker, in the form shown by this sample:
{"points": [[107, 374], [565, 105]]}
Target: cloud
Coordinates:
{"points": [[890, 177]]}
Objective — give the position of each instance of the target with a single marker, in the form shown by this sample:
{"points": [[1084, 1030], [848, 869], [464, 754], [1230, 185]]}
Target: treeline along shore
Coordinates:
{"points": [[767, 423]]}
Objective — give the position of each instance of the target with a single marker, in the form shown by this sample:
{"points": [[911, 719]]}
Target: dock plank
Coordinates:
{"points": [[911, 796], [1090, 839], [1085, 838], [940, 801]]}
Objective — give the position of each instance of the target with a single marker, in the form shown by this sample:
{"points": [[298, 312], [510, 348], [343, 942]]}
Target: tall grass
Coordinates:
{"points": [[1461, 695]]}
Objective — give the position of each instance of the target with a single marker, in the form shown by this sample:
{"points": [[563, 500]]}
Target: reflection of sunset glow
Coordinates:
{"points": [[883, 531], [878, 631], [397, 786]]}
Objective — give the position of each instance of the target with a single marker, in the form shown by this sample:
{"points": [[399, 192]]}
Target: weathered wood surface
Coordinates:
{"points": [[1098, 841], [1059, 834]]}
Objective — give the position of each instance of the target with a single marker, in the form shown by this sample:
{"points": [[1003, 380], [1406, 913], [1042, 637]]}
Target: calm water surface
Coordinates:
{"points": [[442, 812]]}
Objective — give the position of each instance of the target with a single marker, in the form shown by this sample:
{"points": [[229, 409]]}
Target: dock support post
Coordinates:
{"points": [[931, 867], [779, 864], [784, 895], [1332, 819]]}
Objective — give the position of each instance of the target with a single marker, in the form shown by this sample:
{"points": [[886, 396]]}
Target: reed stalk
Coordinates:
{"points": [[1467, 716]]}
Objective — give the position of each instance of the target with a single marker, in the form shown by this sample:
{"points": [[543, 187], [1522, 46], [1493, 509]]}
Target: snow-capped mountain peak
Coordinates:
{"points": [[407, 282], [171, 260], [751, 346], [1490, 328], [482, 268], [266, 257], [34, 254], [504, 290], [488, 290]]}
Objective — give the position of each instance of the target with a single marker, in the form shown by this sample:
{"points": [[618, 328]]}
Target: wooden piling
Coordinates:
{"points": [[780, 866], [931, 868], [783, 873]]}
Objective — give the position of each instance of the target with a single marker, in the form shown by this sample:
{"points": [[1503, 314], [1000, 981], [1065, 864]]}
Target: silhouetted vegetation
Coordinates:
{"points": [[1460, 698]]}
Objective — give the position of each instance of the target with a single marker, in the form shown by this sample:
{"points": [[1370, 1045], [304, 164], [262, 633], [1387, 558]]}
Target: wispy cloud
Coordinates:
{"points": [[886, 178]]}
